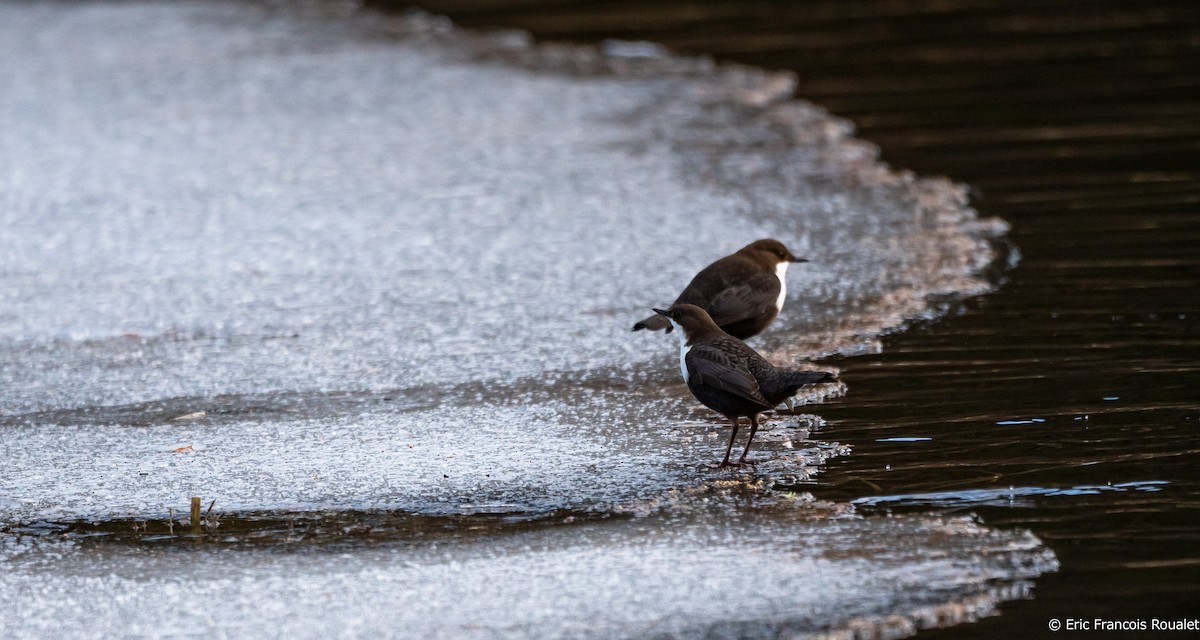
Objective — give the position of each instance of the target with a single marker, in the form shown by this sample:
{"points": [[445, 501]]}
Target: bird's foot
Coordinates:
{"points": [[747, 461]]}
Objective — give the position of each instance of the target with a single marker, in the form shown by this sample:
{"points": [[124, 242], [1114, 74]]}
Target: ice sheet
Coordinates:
{"points": [[309, 259]]}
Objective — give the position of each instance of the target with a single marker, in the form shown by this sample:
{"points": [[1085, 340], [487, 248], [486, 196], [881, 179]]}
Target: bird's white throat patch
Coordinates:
{"points": [[684, 347], [781, 273]]}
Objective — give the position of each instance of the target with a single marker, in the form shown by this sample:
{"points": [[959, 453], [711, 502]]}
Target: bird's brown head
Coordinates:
{"points": [[769, 252], [691, 320]]}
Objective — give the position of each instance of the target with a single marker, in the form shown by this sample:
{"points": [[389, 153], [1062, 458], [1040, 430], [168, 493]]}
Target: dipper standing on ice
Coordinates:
{"points": [[729, 377], [742, 292]]}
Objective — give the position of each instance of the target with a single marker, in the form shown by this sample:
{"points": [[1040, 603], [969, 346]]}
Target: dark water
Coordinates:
{"points": [[1068, 401]]}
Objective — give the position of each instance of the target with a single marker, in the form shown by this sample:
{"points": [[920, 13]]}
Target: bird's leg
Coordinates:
{"points": [[753, 429], [726, 462]]}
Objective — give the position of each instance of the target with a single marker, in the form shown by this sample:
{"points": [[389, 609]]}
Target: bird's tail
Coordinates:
{"points": [[789, 382], [798, 379], [653, 323]]}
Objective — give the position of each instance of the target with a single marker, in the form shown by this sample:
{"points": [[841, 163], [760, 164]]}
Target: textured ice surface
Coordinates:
{"points": [[528, 455], [315, 259], [205, 198], [745, 576]]}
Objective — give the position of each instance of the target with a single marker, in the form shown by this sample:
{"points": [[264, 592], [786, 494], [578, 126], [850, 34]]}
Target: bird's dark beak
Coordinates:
{"points": [[659, 311], [795, 259]]}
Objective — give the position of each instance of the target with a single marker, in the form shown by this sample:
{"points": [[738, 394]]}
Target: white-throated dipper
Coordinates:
{"points": [[742, 292], [729, 377]]}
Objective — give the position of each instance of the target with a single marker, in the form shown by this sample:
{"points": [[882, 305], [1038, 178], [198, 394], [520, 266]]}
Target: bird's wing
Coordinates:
{"points": [[744, 301], [713, 367]]}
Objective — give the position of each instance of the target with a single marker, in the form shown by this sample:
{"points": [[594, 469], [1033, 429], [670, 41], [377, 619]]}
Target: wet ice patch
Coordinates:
{"points": [[716, 576], [1012, 496]]}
